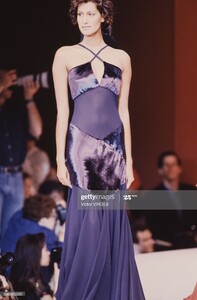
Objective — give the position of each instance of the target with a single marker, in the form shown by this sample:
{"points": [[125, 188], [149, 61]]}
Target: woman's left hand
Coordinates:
{"points": [[129, 174]]}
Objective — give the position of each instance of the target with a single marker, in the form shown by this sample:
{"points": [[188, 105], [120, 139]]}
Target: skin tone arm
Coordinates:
{"points": [[60, 75], [124, 115], [35, 121]]}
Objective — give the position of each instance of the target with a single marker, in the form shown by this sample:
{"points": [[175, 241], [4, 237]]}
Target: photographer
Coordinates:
{"points": [[38, 215], [58, 192], [31, 254], [18, 118], [7, 79]]}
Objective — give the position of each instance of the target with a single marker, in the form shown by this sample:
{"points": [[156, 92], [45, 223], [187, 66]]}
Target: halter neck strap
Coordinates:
{"points": [[95, 54]]}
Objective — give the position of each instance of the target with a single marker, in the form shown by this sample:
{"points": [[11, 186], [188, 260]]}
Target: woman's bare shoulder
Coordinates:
{"points": [[65, 51], [122, 56]]}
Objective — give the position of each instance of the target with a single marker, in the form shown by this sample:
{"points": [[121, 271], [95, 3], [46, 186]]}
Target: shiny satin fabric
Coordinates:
{"points": [[98, 256]]}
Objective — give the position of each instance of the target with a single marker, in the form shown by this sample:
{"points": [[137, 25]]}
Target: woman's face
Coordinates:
{"points": [[45, 256], [89, 18]]}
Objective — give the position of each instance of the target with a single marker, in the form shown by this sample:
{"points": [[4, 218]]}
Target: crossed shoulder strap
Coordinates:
{"points": [[95, 54]]}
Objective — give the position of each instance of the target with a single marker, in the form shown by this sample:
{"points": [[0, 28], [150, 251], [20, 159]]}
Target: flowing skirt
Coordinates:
{"points": [[97, 260]]}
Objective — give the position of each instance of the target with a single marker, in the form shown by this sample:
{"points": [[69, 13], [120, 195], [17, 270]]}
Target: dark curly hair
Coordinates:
{"points": [[105, 7]]}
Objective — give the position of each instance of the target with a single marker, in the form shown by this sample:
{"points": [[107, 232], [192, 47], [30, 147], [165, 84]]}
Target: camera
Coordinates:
{"points": [[56, 255], [61, 213], [41, 78], [6, 260]]}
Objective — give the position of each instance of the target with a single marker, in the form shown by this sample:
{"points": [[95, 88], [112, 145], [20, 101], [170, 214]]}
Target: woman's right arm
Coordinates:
{"points": [[60, 75]]}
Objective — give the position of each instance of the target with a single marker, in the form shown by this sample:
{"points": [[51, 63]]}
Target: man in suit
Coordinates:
{"points": [[172, 224]]}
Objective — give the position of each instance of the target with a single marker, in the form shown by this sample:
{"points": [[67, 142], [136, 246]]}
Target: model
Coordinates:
{"points": [[98, 258]]}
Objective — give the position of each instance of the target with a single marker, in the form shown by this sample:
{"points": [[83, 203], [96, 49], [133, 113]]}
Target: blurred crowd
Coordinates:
{"points": [[32, 200], [33, 203]]}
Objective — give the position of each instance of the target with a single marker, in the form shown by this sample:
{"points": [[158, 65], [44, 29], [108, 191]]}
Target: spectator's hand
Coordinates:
{"points": [[4, 286], [7, 79], [30, 89], [4, 283]]}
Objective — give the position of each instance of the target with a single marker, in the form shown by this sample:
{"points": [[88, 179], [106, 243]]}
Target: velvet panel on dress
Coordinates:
{"points": [[81, 79], [96, 164]]}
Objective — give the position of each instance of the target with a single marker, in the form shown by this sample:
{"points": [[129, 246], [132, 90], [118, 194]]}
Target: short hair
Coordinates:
{"points": [[162, 155], [38, 207], [26, 175], [49, 186], [139, 228], [105, 7]]}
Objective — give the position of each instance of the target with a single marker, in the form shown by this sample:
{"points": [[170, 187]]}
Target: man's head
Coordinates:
{"points": [[169, 165], [145, 239], [54, 189], [41, 209]]}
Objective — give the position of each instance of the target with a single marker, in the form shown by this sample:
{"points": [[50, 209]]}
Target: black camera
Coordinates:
{"points": [[61, 213], [56, 255], [6, 260]]}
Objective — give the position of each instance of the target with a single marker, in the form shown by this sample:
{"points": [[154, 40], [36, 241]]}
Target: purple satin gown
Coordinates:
{"points": [[97, 260]]}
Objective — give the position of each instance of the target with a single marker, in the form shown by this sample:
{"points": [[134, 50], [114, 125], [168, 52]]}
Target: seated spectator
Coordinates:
{"points": [[36, 163], [37, 215], [144, 239], [58, 192], [166, 224], [30, 255], [29, 189], [55, 190], [145, 243]]}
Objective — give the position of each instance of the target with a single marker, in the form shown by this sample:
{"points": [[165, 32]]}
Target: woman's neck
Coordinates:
{"points": [[94, 41]]}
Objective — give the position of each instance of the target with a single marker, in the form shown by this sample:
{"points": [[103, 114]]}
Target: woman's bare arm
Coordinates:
{"points": [[60, 75], [124, 113]]}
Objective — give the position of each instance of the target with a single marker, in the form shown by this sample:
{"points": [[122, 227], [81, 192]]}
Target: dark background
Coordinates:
{"points": [[151, 32]]}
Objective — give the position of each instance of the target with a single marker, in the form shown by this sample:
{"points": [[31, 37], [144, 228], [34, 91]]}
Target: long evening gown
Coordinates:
{"points": [[97, 260]]}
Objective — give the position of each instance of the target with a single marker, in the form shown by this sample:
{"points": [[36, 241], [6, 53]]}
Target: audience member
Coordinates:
{"points": [[37, 163], [58, 192], [144, 239], [29, 189], [167, 224], [7, 79], [38, 215], [18, 117], [30, 255]]}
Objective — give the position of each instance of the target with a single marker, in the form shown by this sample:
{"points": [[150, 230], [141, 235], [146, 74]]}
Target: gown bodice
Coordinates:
{"points": [[95, 103]]}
